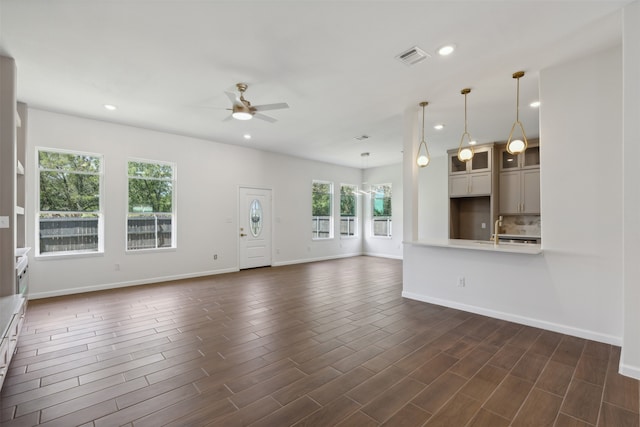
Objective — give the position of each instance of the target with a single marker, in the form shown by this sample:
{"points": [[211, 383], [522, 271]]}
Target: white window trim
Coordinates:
{"points": [[174, 208], [356, 235], [371, 203], [332, 210], [100, 213]]}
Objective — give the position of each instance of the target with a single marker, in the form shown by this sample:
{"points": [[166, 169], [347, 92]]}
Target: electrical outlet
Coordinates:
{"points": [[461, 282], [4, 222], [116, 267], [483, 225], [215, 257]]}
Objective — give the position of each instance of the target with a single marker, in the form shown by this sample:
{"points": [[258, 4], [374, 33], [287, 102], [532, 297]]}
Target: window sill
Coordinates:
{"points": [[151, 250], [68, 255]]}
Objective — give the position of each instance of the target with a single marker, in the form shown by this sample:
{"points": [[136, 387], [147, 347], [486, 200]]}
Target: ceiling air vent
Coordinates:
{"points": [[412, 56]]}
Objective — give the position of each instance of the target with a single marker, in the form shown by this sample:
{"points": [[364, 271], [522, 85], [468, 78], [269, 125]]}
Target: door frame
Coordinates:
{"points": [[270, 225]]}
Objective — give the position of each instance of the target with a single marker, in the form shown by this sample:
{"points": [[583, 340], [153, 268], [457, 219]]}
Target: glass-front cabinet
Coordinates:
{"points": [[530, 159], [481, 162]]}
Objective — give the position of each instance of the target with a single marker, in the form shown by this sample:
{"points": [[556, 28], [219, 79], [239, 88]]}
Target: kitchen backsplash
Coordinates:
{"points": [[528, 225]]}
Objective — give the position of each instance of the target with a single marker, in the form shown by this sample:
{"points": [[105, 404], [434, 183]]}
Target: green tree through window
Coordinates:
{"points": [[348, 210], [150, 220], [322, 210], [69, 207], [381, 209]]}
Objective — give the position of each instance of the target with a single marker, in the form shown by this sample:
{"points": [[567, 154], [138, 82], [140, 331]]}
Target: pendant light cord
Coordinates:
{"points": [[518, 99], [465, 113], [423, 123]]}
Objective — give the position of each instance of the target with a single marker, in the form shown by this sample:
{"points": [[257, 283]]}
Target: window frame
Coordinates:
{"points": [[331, 216], [99, 251], [356, 219], [174, 207], [389, 218]]}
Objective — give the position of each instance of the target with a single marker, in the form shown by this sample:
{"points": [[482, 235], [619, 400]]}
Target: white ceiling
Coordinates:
{"points": [[167, 63]]}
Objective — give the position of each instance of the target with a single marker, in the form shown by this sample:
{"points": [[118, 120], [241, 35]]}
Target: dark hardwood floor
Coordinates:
{"points": [[319, 344]]}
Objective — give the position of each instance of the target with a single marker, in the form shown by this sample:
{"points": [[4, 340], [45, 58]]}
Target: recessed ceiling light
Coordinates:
{"points": [[110, 107], [534, 104], [439, 126], [446, 50], [246, 136]]}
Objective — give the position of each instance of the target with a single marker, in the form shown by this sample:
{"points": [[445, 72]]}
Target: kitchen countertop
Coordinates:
{"points": [[519, 236], [482, 245]]}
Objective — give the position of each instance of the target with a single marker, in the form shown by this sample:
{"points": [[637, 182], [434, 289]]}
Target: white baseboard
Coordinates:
{"points": [[305, 260], [374, 254], [537, 323], [629, 371], [146, 281]]}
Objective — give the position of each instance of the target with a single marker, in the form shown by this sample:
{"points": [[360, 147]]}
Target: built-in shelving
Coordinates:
{"points": [[14, 261]]}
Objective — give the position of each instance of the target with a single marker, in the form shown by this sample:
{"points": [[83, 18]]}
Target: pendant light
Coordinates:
{"points": [[465, 153], [423, 152], [517, 146]]}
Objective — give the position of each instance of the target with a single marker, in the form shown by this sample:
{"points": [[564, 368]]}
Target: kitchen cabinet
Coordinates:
{"points": [[530, 159], [474, 184], [519, 182], [481, 161], [472, 178], [520, 192]]}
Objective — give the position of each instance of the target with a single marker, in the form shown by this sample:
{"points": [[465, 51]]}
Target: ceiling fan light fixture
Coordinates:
{"points": [[242, 116], [517, 146], [423, 157], [241, 112]]}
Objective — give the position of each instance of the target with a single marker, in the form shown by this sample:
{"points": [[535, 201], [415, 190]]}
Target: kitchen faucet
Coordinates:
{"points": [[497, 225]]}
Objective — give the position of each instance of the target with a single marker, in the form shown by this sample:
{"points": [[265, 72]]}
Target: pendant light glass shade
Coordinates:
{"points": [[517, 146], [465, 153], [423, 158]]}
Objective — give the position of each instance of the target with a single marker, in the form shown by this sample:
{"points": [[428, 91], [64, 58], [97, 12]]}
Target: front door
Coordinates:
{"points": [[255, 227]]}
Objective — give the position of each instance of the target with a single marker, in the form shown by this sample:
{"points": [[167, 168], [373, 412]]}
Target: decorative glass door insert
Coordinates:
{"points": [[255, 217]]}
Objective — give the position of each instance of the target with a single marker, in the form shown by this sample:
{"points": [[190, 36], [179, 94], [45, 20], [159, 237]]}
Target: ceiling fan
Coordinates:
{"points": [[243, 110]]}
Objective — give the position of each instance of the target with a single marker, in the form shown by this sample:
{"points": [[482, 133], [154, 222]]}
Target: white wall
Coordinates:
{"points": [[576, 286], [209, 175], [433, 200], [630, 357], [384, 246]]}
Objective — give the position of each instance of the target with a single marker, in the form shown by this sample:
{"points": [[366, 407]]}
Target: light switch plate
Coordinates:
{"points": [[4, 222]]}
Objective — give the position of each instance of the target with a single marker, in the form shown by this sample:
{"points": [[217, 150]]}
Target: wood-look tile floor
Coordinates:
{"points": [[318, 344]]}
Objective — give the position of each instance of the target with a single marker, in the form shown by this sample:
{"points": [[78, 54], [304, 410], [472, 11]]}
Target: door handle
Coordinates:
{"points": [[242, 235]]}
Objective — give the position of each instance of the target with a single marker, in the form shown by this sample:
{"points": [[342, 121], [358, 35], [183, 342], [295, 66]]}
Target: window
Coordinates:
{"points": [[69, 203], [322, 210], [151, 215], [381, 209], [348, 210]]}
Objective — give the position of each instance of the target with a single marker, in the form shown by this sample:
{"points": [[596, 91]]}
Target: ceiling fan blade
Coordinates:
{"points": [[265, 118], [266, 107], [234, 98]]}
